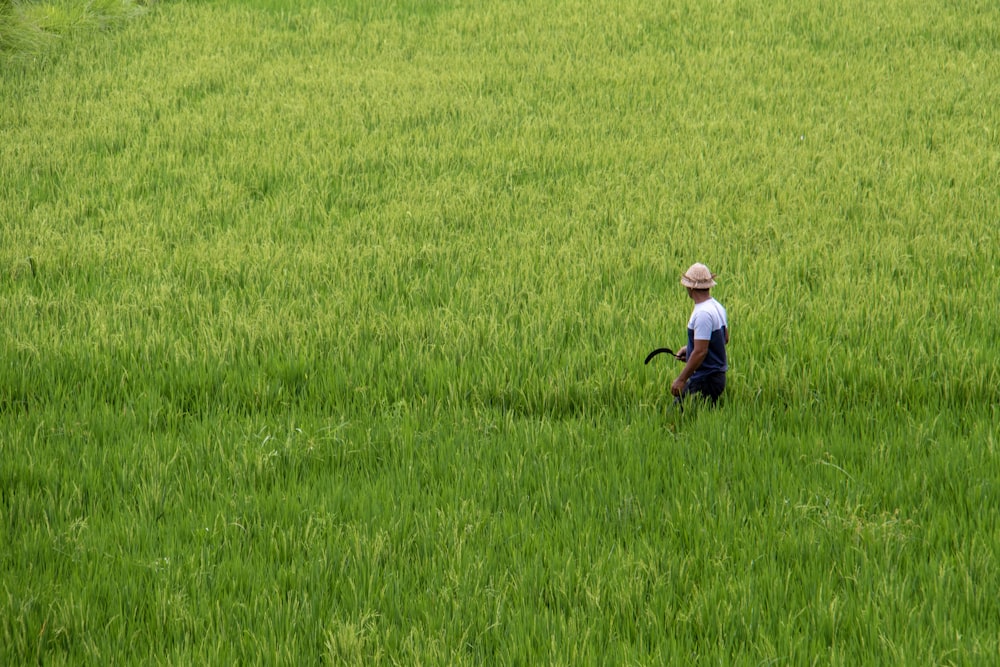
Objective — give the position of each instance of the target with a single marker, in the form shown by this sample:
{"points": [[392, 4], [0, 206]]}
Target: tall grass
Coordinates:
{"points": [[325, 326], [31, 28]]}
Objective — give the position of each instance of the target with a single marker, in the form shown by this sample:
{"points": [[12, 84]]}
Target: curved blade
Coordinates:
{"points": [[659, 350]]}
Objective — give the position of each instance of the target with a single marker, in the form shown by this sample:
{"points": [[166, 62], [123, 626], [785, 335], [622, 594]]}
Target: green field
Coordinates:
{"points": [[324, 327]]}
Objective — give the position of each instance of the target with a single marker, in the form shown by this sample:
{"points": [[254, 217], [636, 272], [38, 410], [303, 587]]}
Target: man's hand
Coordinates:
{"points": [[698, 355], [682, 354]]}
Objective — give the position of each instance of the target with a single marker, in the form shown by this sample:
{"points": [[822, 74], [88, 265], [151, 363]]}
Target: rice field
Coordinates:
{"points": [[325, 324]]}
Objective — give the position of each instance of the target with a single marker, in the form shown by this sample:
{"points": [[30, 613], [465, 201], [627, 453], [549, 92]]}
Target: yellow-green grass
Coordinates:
{"points": [[325, 326]]}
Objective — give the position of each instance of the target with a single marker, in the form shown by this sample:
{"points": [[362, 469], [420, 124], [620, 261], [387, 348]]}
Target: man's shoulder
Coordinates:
{"points": [[710, 309], [710, 306]]}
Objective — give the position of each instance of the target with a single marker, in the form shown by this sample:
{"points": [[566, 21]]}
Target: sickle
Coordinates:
{"points": [[660, 350]]}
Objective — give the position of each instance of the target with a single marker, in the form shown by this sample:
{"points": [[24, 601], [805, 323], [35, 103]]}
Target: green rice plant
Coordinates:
{"points": [[29, 28], [18, 34], [325, 327]]}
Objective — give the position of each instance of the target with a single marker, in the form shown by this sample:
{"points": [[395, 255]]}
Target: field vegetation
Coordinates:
{"points": [[324, 326], [29, 29]]}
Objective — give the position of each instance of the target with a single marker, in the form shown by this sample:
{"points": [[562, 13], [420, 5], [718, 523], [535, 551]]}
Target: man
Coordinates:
{"points": [[708, 334]]}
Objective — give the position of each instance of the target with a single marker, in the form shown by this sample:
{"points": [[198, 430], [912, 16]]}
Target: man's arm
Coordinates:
{"points": [[697, 356]]}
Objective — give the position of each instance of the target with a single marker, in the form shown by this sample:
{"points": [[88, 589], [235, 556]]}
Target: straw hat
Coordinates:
{"points": [[698, 277]]}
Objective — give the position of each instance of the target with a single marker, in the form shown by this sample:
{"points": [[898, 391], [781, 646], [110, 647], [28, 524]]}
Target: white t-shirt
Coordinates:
{"points": [[708, 322]]}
